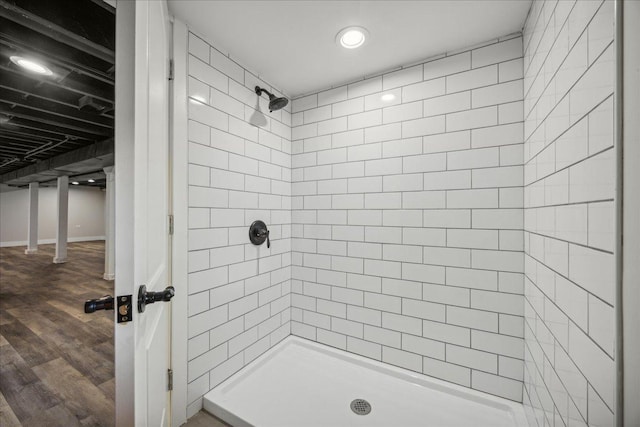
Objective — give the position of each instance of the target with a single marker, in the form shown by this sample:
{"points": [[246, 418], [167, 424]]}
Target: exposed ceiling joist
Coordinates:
{"points": [[34, 88], [13, 150], [82, 160], [99, 91], [44, 116], [57, 54], [57, 97], [36, 23], [34, 130], [35, 103], [50, 118], [18, 144]]}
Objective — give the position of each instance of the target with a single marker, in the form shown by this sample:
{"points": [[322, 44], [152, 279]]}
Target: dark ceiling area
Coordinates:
{"points": [[62, 123]]}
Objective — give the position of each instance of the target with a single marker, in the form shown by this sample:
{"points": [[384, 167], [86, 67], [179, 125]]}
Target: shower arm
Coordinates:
{"points": [[259, 91]]}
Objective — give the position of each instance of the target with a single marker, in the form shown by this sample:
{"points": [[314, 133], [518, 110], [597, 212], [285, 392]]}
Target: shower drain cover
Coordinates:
{"points": [[360, 407]]}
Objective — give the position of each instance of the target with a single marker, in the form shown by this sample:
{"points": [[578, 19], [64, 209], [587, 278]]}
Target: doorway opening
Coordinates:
{"points": [[57, 77]]}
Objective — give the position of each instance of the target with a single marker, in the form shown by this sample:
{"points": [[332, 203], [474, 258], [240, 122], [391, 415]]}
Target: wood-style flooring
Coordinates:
{"points": [[205, 419], [56, 362]]}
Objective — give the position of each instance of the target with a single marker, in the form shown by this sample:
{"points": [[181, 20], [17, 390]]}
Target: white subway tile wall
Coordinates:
{"points": [[239, 171], [407, 214], [569, 175]]}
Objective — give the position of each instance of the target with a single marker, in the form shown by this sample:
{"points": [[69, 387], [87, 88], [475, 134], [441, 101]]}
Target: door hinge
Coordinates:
{"points": [[171, 225], [171, 69], [170, 379]]}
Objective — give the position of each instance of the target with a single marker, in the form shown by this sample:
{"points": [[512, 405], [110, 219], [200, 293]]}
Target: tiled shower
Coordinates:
{"points": [[407, 218], [452, 217]]}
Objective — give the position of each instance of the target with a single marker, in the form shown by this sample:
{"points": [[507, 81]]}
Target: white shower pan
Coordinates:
{"points": [[300, 383]]}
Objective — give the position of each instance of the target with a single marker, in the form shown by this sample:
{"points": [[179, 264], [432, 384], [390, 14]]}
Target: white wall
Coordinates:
{"points": [[569, 213], [407, 236], [239, 171], [86, 215]]}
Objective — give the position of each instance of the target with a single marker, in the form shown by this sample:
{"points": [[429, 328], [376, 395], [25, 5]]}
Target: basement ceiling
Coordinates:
{"points": [[291, 44], [64, 115]]}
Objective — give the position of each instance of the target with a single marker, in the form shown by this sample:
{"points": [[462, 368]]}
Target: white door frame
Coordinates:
{"points": [[180, 212], [124, 341], [130, 55], [628, 205]]}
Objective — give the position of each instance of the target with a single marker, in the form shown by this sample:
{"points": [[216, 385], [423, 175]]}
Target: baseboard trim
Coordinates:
{"points": [[50, 241]]}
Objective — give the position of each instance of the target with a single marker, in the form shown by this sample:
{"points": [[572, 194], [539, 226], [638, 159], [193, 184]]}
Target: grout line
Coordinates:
{"points": [[568, 92], [567, 316], [541, 376], [556, 139], [556, 341]]}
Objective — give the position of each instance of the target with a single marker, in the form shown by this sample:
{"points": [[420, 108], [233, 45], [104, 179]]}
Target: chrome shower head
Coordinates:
{"points": [[274, 103]]}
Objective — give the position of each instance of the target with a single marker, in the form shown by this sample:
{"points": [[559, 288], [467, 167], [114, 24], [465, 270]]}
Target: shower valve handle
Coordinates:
{"points": [[258, 233], [262, 233]]}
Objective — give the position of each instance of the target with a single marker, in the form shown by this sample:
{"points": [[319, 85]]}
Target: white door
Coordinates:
{"points": [[142, 346]]}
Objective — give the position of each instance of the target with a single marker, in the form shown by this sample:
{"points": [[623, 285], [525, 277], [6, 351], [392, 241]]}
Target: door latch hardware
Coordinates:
{"points": [[93, 305], [125, 313], [145, 298]]}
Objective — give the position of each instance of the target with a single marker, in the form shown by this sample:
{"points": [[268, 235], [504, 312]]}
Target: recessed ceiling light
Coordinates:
{"points": [[75, 183], [388, 97], [352, 37], [91, 180], [31, 65]]}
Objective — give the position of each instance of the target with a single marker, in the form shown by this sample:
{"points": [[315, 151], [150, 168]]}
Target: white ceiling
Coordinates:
{"points": [[291, 44]]}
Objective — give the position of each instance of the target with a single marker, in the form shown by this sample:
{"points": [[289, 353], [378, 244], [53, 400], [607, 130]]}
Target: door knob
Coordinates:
{"points": [[146, 297], [93, 305]]}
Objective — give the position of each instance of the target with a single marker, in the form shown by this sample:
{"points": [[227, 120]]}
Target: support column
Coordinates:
{"points": [[110, 226], [32, 230], [63, 220]]}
